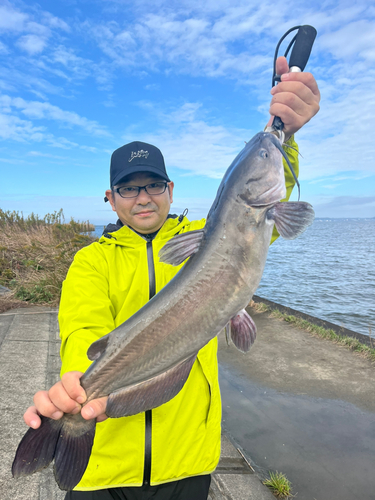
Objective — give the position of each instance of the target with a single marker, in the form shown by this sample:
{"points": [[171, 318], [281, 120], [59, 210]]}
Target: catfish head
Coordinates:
{"points": [[260, 172]]}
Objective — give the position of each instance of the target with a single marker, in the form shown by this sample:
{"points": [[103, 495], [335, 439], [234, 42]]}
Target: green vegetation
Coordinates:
{"points": [[35, 255], [349, 342], [278, 484]]}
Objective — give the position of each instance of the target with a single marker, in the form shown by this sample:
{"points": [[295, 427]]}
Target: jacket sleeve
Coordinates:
{"points": [[86, 312], [289, 179]]}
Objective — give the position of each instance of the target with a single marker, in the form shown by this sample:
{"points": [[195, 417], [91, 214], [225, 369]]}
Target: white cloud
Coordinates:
{"points": [[190, 142], [339, 139], [14, 128], [3, 48], [355, 39], [47, 155], [11, 19], [44, 110], [32, 44], [55, 22]]}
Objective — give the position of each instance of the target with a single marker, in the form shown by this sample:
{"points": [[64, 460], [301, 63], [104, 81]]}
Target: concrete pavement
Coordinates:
{"points": [[29, 361]]}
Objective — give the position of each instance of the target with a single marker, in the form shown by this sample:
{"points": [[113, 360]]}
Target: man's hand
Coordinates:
{"points": [[295, 99], [66, 396]]}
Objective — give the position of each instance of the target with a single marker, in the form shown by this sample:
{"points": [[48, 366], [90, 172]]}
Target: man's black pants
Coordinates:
{"points": [[191, 488]]}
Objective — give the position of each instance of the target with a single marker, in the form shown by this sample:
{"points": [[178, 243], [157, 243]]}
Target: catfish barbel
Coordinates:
{"points": [[145, 362]]}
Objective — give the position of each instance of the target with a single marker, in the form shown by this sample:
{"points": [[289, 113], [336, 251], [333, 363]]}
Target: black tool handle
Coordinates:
{"points": [[302, 48], [298, 59]]}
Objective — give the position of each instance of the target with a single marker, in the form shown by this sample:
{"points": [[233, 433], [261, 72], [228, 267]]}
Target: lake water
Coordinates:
{"points": [[328, 272]]}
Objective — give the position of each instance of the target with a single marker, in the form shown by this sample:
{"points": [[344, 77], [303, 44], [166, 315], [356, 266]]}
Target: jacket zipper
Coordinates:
{"points": [[148, 413]]}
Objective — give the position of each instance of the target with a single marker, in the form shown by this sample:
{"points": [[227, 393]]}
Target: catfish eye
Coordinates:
{"points": [[263, 154]]}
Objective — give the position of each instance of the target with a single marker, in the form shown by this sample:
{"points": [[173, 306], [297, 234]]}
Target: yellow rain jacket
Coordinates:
{"points": [[106, 284]]}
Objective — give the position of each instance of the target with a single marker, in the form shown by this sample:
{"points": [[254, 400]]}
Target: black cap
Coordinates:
{"points": [[136, 157]]}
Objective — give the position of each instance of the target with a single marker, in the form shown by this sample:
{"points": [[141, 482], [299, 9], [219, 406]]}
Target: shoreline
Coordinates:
{"points": [[339, 330]]}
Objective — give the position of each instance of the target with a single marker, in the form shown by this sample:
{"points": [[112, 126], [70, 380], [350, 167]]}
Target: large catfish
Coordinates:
{"points": [[145, 362]]}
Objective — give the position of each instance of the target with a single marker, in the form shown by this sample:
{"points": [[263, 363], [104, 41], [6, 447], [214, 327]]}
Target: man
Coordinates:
{"points": [[168, 452]]}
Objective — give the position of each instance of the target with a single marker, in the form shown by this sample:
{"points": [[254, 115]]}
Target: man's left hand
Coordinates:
{"points": [[295, 99]]}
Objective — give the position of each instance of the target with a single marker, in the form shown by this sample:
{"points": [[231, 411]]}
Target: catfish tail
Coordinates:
{"points": [[68, 440]]}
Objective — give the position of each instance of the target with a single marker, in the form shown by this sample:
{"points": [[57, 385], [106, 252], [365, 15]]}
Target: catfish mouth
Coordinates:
{"points": [[270, 197]]}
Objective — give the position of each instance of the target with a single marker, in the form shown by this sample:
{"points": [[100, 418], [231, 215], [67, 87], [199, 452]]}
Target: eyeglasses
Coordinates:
{"points": [[133, 191]]}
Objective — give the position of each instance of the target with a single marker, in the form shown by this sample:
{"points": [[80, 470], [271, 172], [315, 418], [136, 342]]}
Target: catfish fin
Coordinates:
{"points": [[180, 247], [151, 393], [37, 448], [97, 348], [291, 218], [68, 440], [73, 450], [243, 331]]}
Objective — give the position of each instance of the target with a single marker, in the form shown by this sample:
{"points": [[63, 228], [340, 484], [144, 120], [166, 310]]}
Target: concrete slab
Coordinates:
{"points": [[24, 366], [5, 322], [234, 478], [29, 327], [238, 487]]}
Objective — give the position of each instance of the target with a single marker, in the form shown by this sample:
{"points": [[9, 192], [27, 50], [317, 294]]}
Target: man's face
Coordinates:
{"points": [[145, 213]]}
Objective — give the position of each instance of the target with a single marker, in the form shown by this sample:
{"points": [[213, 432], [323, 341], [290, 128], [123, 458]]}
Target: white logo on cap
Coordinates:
{"points": [[138, 154]]}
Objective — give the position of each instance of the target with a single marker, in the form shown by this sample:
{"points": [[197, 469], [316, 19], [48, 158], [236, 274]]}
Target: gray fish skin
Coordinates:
{"points": [[145, 361]]}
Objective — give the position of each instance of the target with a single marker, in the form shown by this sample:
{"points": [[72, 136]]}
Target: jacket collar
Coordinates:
{"points": [[122, 235]]}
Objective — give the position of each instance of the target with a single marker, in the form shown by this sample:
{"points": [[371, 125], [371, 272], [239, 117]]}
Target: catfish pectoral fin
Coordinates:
{"points": [[68, 440], [291, 218], [151, 393], [180, 247], [243, 331], [97, 348]]}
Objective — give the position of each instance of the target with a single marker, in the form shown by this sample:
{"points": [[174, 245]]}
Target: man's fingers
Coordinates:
{"points": [[293, 102], [32, 418], [73, 387], [61, 399], [296, 88], [292, 121], [305, 78], [95, 408], [45, 406], [281, 65]]}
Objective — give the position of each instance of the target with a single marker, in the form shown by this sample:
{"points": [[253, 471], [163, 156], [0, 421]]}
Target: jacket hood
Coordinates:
{"points": [[119, 234]]}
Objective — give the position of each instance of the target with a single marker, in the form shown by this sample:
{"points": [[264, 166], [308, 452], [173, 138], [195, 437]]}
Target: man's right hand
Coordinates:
{"points": [[66, 396]]}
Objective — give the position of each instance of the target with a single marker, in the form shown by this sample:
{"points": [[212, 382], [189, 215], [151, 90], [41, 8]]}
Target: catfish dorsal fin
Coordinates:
{"points": [[291, 218], [97, 348], [181, 247]]}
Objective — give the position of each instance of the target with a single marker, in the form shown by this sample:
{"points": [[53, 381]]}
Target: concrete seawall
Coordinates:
{"points": [[339, 330]]}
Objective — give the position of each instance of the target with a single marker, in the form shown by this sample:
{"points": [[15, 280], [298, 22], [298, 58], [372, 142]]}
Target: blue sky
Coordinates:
{"points": [[81, 78]]}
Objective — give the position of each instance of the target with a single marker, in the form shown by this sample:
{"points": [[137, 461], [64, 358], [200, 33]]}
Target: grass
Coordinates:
{"points": [[279, 485], [35, 255], [328, 334]]}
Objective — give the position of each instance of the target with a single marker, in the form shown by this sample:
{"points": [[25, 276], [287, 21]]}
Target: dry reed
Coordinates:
{"points": [[35, 255]]}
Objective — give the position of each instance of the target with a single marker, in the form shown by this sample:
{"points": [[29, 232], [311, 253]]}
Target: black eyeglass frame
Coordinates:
{"points": [[117, 190]]}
